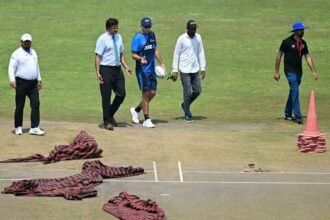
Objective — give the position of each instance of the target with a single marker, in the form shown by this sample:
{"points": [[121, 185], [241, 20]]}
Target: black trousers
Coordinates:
{"points": [[27, 88], [113, 79]]}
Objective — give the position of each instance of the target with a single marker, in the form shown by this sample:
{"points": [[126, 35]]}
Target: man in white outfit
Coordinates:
{"points": [[189, 60], [24, 76]]}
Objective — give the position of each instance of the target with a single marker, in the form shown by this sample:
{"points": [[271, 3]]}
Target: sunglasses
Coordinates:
{"points": [[147, 27]]}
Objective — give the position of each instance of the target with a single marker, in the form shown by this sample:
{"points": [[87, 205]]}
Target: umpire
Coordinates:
{"points": [[24, 76]]}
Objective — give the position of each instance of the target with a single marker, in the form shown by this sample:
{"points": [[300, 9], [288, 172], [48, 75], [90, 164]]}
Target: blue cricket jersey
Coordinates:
{"points": [[145, 45]]}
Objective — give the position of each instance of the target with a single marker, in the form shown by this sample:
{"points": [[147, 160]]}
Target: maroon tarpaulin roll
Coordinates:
{"points": [[74, 187], [131, 207], [83, 146]]}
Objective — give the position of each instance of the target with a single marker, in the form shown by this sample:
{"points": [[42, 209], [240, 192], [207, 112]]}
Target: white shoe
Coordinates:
{"points": [[135, 116], [148, 124], [18, 131], [36, 131]]}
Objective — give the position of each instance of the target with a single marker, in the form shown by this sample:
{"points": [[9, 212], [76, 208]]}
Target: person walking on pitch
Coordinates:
{"points": [[144, 52], [189, 60], [294, 48]]}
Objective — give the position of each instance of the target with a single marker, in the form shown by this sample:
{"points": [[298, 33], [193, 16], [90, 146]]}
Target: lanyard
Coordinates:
{"points": [[299, 46]]}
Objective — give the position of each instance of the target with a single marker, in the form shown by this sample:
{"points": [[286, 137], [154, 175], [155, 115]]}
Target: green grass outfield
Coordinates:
{"points": [[237, 117], [241, 39]]}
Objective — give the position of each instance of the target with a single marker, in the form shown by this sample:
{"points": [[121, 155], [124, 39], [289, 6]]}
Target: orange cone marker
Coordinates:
{"points": [[311, 140]]}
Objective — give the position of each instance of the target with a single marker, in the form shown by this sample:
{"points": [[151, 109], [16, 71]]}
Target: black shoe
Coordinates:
{"points": [[114, 122], [288, 118], [188, 118], [108, 127], [300, 121]]}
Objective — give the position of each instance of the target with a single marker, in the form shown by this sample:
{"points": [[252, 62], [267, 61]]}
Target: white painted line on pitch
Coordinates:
{"points": [[240, 172], [16, 179], [221, 182], [50, 170], [155, 171], [192, 171], [57, 170], [180, 171], [199, 182], [165, 194]]}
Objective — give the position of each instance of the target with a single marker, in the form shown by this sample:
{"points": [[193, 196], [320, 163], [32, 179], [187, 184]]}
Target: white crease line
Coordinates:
{"points": [[222, 182], [155, 171], [48, 170], [180, 171], [54, 170], [240, 172], [201, 182], [165, 194], [189, 171]]}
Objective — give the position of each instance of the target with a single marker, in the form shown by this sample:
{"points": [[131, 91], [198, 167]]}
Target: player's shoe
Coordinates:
{"points": [[188, 118], [36, 131], [18, 131], [135, 116], [148, 124]]}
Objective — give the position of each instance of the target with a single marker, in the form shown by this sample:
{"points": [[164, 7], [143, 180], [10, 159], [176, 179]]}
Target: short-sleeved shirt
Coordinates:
{"points": [[145, 45], [292, 55], [105, 48]]}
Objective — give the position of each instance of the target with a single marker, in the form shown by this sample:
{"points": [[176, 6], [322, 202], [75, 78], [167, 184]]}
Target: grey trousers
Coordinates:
{"points": [[191, 84]]}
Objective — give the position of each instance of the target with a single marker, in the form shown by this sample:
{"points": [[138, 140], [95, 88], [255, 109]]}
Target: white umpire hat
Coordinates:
{"points": [[26, 37]]}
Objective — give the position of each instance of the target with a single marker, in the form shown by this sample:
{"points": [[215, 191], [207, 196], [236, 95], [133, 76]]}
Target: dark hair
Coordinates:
{"points": [[111, 22]]}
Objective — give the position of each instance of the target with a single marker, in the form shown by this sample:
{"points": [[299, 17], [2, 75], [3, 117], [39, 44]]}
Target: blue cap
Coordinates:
{"points": [[298, 26], [145, 21]]}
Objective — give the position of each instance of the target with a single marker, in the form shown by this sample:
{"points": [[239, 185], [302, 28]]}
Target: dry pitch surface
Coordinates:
{"points": [[209, 184]]}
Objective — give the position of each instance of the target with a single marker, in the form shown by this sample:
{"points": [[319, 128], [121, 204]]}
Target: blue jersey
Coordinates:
{"points": [[145, 45]]}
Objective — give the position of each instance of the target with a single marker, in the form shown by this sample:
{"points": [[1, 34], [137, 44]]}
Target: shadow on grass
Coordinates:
{"points": [[293, 118], [157, 121], [120, 125], [195, 118], [125, 124]]}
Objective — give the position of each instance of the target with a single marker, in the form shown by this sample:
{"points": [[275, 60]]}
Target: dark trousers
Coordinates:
{"points": [[191, 84], [27, 88], [113, 79]]}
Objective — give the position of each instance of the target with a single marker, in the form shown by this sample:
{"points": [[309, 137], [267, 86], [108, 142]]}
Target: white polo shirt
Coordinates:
{"points": [[189, 54], [105, 48], [24, 64]]}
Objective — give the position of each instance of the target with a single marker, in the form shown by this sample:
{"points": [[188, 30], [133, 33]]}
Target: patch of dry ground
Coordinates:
{"points": [[199, 147]]}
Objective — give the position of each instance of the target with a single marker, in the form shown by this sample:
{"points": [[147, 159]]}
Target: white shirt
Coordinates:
{"points": [[24, 64], [189, 54], [105, 48]]}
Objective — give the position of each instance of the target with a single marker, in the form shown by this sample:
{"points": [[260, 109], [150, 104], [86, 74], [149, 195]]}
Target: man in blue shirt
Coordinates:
{"points": [[144, 52], [108, 59]]}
